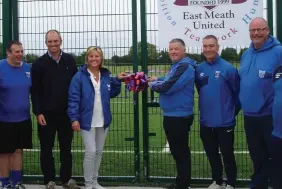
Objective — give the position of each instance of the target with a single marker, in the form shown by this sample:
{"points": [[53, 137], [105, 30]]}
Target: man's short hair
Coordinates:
{"points": [[178, 40], [211, 37], [10, 43], [55, 31]]}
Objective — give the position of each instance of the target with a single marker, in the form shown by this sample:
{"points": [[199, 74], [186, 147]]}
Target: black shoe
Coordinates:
{"points": [[8, 187], [19, 185], [170, 186]]}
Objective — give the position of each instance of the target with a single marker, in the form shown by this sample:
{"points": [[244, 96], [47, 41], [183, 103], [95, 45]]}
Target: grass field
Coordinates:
{"points": [[119, 158]]}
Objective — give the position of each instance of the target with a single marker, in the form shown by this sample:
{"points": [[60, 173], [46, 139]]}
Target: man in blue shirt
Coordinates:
{"points": [[276, 141], [15, 122], [177, 101], [256, 95], [217, 82]]}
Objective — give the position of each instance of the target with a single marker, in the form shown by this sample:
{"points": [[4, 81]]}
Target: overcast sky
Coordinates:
{"points": [[82, 23]]}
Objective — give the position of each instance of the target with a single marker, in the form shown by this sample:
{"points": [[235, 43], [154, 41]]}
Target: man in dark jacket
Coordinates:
{"points": [[51, 77]]}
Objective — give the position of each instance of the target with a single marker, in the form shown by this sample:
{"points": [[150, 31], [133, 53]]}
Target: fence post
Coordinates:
{"points": [[279, 19], [9, 22], [270, 15], [6, 24], [136, 99], [144, 60], [15, 19]]}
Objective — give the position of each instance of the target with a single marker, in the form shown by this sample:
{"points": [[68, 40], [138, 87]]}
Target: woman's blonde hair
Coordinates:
{"points": [[92, 49]]}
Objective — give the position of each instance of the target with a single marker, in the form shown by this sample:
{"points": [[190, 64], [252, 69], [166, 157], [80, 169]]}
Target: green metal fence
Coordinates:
{"points": [[136, 150], [83, 23], [159, 166]]}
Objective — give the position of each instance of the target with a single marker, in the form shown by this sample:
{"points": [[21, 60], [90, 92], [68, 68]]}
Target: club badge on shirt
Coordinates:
{"points": [[261, 74], [27, 74], [217, 74]]}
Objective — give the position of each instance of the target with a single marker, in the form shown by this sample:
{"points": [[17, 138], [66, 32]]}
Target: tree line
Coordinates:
{"points": [[154, 56]]}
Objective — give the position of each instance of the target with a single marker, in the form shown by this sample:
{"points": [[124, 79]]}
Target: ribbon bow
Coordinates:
{"points": [[136, 82]]}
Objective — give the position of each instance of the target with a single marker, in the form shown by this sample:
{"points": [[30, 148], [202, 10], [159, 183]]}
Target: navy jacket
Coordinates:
{"points": [[218, 87], [82, 95]]}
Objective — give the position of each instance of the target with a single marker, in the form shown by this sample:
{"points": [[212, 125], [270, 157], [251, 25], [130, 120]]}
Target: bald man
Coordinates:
{"points": [[257, 66]]}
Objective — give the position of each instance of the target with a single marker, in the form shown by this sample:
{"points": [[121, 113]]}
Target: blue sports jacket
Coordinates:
{"points": [[256, 71], [218, 87], [177, 89], [82, 95], [277, 104]]}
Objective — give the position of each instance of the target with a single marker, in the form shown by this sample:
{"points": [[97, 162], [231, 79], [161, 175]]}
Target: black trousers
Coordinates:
{"points": [[258, 133], [276, 161], [177, 133], [56, 123], [215, 139]]}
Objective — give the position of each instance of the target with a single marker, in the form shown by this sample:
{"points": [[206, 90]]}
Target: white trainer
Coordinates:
{"points": [[216, 186], [229, 187], [97, 186]]}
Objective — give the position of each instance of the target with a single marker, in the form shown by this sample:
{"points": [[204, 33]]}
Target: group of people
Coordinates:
{"points": [[65, 99], [256, 89]]}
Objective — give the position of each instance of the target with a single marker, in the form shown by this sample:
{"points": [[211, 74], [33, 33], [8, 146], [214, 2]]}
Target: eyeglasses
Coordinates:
{"points": [[259, 30]]}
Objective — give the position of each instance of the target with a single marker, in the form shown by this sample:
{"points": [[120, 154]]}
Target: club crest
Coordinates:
{"points": [[261, 74], [208, 4], [27, 74], [217, 74]]}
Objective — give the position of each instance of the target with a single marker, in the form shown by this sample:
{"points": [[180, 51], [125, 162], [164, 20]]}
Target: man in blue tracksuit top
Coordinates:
{"points": [[276, 140], [177, 102], [217, 82], [256, 95]]}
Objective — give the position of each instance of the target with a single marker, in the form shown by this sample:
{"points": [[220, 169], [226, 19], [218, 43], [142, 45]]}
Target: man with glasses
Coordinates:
{"points": [[256, 96], [51, 77]]}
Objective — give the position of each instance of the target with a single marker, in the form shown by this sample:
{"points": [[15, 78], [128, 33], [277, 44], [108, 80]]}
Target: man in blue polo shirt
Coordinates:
{"points": [[15, 122]]}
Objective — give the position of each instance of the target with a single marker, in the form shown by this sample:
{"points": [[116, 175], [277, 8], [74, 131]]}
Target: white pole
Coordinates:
{"points": [[274, 18]]}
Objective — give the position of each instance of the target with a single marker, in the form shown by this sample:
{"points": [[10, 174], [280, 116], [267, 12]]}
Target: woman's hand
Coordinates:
{"points": [[122, 76], [75, 126]]}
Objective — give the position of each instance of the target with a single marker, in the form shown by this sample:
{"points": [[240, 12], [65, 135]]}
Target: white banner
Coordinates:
{"points": [[192, 20]]}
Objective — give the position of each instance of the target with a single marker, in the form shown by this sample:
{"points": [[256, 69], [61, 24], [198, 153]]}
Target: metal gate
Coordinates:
{"points": [[136, 150]]}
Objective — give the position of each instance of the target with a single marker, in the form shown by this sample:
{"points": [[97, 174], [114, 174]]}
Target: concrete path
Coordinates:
{"points": [[119, 187]]}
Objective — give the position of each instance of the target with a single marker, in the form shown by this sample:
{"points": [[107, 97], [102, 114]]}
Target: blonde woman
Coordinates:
{"points": [[89, 110]]}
